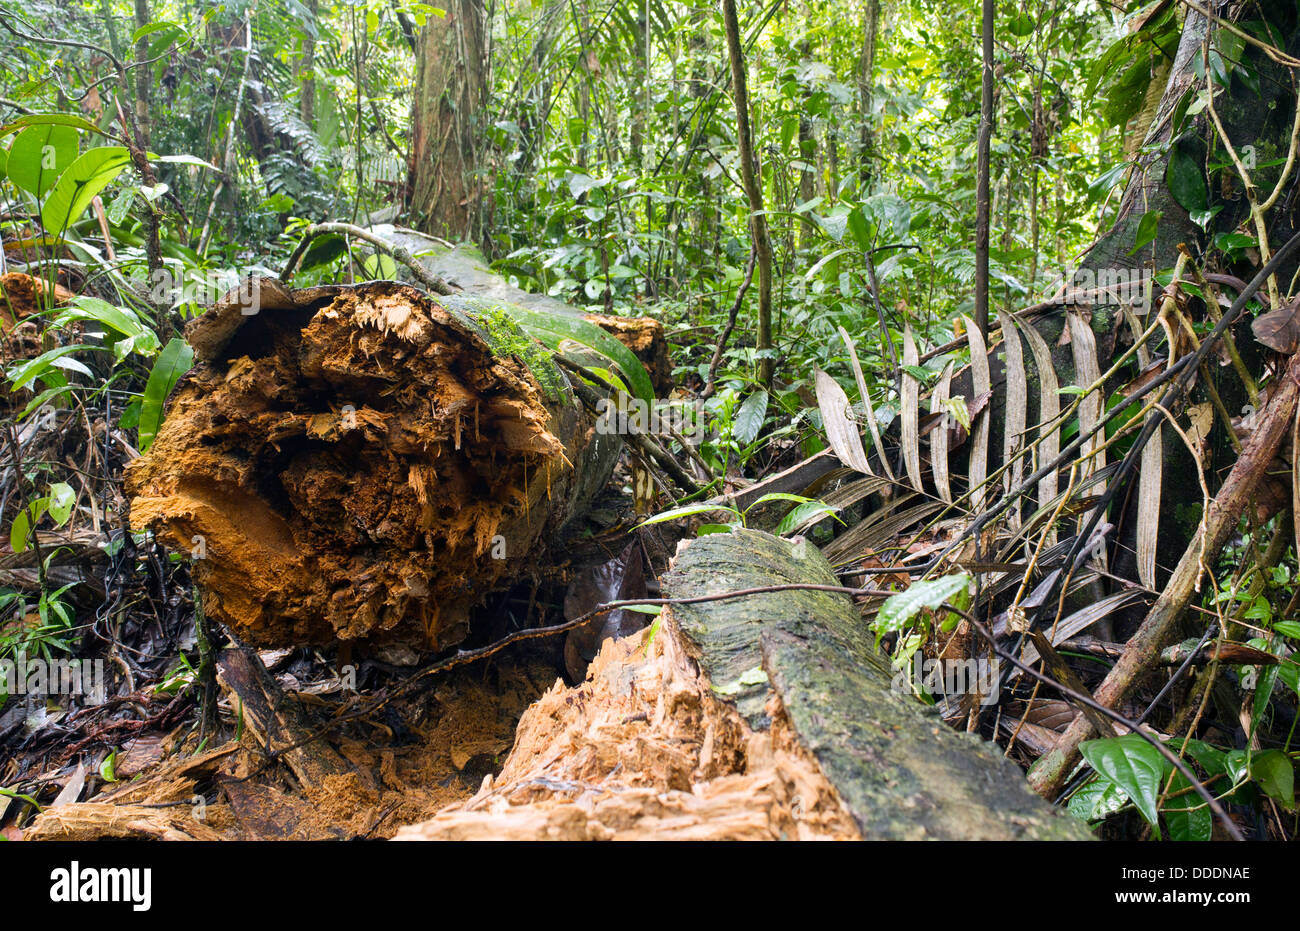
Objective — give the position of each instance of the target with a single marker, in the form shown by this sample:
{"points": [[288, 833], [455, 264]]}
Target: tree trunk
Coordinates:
{"points": [[451, 87], [866, 84], [307, 68], [983, 220], [363, 463], [752, 177], [727, 731]]}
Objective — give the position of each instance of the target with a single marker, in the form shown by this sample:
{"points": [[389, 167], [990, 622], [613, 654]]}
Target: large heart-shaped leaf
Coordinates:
{"points": [[1133, 765], [39, 155], [1273, 770]]}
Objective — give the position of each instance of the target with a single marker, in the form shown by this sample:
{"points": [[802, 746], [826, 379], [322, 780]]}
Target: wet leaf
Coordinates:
{"points": [[1132, 764]]}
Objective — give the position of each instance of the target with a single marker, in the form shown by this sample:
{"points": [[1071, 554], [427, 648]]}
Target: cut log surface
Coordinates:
{"points": [[363, 463], [762, 717]]}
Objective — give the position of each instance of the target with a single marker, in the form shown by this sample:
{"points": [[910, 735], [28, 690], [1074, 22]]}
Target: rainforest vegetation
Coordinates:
{"points": [[358, 354]]}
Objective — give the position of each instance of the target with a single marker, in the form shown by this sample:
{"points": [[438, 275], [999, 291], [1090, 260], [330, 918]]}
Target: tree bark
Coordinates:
{"points": [[307, 68], [751, 176], [982, 211], [451, 87], [866, 84]]}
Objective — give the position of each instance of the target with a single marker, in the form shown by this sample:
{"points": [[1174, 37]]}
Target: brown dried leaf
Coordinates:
{"points": [[911, 411], [1016, 413], [939, 442], [866, 401], [1279, 329], [841, 429], [982, 383]]}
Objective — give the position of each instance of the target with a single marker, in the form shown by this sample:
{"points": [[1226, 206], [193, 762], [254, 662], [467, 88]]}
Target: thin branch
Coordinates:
{"points": [[431, 281]]}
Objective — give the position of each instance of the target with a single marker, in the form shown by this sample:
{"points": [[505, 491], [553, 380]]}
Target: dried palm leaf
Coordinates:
{"points": [[1017, 412], [981, 383], [867, 406], [939, 437], [911, 411], [1049, 410], [841, 429]]}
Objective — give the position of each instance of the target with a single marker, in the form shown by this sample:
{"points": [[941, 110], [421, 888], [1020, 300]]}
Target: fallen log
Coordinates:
{"points": [[759, 717], [363, 463]]}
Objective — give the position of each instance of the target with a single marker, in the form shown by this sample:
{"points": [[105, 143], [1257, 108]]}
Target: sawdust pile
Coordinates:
{"points": [[644, 750], [457, 734]]}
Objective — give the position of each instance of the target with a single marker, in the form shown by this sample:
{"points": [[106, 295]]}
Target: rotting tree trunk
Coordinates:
{"points": [[762, 717], [451, 88], [363, 463]]}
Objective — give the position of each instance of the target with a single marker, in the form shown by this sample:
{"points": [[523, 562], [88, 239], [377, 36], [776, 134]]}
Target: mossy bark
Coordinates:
{"points": [[901, 772]]}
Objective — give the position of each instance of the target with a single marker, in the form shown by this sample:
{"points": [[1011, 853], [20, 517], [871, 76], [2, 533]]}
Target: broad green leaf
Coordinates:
{"points": [[1096, 799], [379, 266], [24, 520], [861, 228], [685, 511], [1202, 218], [749, 419], [802, 512], [1147, 228], [1101, 186], [120, 320], [1210, 758], [50, 119], [705, 529], [1133, 765], [76, 188], [899, 609], [173, 362], [1187, 816], [1274, 772], [62, 498], [780, 496], [39, 155], [552, 329], [1186, 180], [19, 375]]}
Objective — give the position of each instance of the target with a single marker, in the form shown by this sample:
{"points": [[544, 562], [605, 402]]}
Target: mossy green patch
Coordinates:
{"points": [[506, 337]]}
